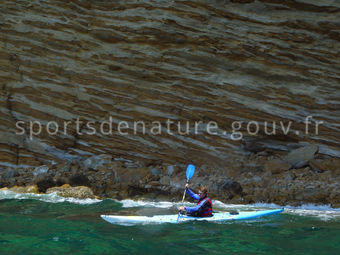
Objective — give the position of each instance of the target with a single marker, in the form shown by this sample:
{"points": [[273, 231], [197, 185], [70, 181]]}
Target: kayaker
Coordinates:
{"points": [[204, 205]]}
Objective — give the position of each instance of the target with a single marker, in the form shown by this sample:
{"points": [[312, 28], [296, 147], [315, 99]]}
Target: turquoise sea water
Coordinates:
{"points": [[47, 224]]}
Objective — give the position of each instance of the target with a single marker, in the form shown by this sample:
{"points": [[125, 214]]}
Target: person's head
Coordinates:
{"points": [[202, 192]]}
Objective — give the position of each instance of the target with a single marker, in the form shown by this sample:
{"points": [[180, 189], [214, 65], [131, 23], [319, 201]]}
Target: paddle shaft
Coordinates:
{"points": [[179, 213], [184, 194]]}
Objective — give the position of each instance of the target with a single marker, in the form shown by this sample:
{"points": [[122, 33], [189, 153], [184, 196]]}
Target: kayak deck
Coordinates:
{"points": [[226, 216]]}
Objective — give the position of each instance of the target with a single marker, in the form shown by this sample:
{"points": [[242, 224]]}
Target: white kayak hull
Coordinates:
{"points": [[226, 216]]}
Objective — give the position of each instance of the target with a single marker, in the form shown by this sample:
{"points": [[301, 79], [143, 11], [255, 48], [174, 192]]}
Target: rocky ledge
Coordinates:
{"points": [[301, 176], [80, 192]]}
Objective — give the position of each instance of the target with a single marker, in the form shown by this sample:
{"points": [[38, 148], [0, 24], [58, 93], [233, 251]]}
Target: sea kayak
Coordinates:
{"points": [[224, 216]]}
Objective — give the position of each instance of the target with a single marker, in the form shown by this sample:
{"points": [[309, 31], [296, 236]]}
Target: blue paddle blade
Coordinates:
{"points": [[190, 171]]}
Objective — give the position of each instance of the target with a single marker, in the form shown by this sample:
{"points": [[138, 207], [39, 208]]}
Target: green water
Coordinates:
{"points": [[31, 226]]}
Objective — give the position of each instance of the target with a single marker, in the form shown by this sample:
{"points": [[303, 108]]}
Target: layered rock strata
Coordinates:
{"points": [[221, 61]]}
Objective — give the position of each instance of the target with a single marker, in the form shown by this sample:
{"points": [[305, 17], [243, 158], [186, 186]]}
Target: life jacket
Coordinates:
{"points": [[207, 212]]}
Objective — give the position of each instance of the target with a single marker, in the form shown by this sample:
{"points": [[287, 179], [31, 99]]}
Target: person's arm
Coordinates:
{"points": [[192, 194], [195, 208]]}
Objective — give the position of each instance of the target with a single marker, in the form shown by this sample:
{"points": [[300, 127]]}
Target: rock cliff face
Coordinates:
{"points": [[221, 61]]}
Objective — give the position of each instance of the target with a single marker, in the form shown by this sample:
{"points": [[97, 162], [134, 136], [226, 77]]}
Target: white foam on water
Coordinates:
{"points": [[128, 203], [49, 198], [323, 212]]}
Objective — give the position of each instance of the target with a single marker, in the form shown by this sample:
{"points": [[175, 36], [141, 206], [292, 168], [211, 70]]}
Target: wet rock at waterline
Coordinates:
{"points": [[25, 189], [245, 182], [80, 192]]}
